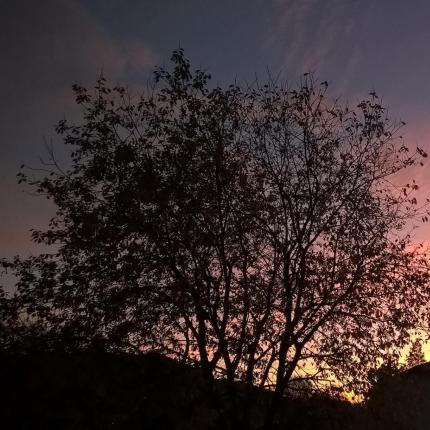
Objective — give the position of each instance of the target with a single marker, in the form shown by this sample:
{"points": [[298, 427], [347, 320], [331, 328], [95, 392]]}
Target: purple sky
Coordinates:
{"points": [[47, 45]]}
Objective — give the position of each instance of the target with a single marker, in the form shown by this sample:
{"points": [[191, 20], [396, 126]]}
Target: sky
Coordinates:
{"points": [[357, 46]]}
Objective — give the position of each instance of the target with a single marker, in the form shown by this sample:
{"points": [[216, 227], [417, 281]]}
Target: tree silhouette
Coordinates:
{"points": [[256, 231], [416, 354]]}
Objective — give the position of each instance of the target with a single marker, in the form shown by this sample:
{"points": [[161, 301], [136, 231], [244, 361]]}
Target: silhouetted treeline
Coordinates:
{"points": [[402, 401], [98, 390]]}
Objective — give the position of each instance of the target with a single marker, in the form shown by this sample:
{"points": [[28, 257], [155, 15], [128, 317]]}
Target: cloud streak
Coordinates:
{"points": [[316, 36]]}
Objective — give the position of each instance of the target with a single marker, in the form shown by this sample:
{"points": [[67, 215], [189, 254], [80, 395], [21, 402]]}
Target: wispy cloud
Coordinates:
{"points": [[45, 47], [56, 41], [317, 36]]}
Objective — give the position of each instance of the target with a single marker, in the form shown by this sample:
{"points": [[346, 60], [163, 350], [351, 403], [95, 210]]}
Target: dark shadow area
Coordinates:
{"points": [[402, 401], [96, 390]]}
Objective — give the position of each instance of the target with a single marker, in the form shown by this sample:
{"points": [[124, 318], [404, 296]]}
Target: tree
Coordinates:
{"points": [[416, 354], [255, 230]]}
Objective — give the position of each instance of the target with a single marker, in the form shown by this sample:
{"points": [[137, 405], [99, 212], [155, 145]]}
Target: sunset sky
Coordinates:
{"points": [[47, 45]]}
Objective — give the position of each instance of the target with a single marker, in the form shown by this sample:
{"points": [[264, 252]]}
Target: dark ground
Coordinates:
{"points": [[109, 391]]}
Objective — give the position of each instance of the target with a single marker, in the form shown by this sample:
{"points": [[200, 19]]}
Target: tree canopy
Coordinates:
{"points": [[258, 231]]}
